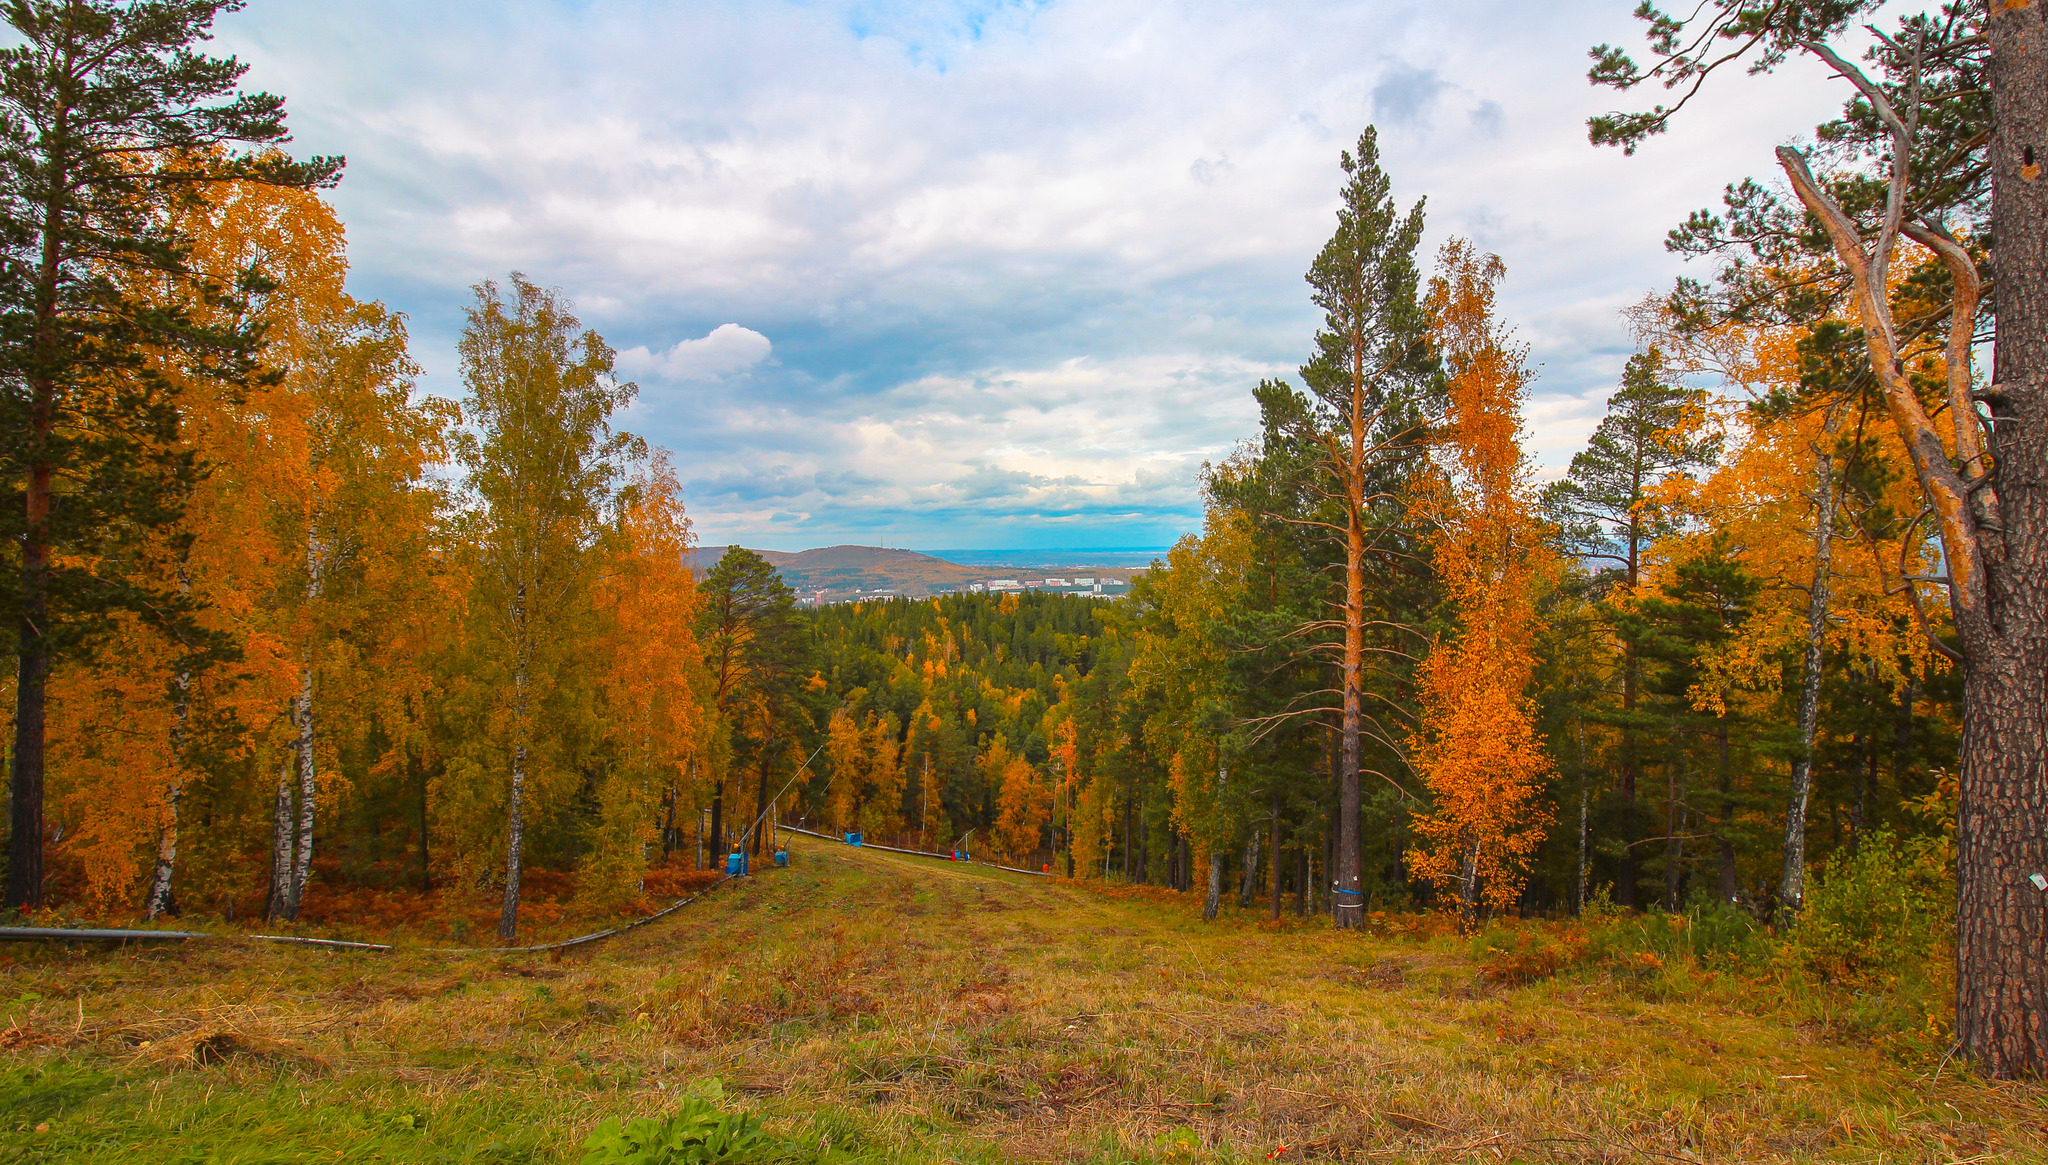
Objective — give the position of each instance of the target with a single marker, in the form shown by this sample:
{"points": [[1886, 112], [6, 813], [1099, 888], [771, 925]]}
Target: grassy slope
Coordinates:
{"points": [[906, 1009]]}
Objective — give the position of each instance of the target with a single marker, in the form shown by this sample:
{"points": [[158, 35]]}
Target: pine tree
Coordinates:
{"points": [[1370, 386], [754, 648], [108, 119], [1604, 505]]}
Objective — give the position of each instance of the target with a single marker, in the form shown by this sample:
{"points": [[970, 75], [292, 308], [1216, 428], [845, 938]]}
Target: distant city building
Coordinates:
{"points": [[1055, 582], [1083, 582], [1003, 584]]}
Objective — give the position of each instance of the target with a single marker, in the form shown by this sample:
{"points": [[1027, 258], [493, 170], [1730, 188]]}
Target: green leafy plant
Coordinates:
{"points": [[696, 1133]]}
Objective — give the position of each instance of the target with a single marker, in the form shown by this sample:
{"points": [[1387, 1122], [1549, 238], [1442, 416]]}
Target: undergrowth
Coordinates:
{"points": [[866, 1007], [1870, 956]]}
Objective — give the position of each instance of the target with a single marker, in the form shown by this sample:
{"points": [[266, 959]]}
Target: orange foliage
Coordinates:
{"points": [[1477, 747]]}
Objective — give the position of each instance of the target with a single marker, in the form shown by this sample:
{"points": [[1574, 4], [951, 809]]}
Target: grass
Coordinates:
{"points": [[869, 1006]]}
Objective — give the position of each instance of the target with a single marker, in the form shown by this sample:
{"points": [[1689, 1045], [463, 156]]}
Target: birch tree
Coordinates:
{"points": [[542, 465]]}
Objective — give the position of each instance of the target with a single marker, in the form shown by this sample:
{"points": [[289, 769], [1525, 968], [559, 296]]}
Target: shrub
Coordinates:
{"points": [[1887, 910], [1516, 955], [696, 1133]]}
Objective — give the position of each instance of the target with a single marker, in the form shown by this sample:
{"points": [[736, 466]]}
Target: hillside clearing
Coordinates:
{"points": [[910, 1010]]}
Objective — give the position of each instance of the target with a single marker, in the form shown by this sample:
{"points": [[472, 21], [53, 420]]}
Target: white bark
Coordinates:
{"points": [[302, 720], [281, 906], [1792, 891]]}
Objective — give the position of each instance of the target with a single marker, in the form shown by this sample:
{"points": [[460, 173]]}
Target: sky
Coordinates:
{"points": [[977, 273]]}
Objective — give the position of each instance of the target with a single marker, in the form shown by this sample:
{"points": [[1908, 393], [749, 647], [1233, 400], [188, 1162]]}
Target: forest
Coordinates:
{"points": [[301, 646]]}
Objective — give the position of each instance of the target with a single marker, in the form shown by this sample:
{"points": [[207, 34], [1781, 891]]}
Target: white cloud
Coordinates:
{"points": [[729, 349], [1059, 239]]}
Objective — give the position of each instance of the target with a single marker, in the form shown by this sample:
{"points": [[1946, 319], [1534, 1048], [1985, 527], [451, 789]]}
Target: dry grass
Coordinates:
{"points": [[914, 1010]]}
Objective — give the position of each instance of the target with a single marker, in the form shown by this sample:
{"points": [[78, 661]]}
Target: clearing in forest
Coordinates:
{"points": [[869, 1006]]}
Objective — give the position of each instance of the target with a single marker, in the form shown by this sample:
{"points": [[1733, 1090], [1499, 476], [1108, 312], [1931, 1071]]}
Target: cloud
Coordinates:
{"points": [[728, 350], [1054, 240], [1405, 96]]}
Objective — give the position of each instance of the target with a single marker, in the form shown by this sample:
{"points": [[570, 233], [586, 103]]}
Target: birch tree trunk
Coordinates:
{"points": [[1215, 898], [1274, 856], [1468, 888], [1792, 883], [302, 719], [1250, 880], [280, 906], [1584, 867], [515, 809], [515, 840], [159, 901]]}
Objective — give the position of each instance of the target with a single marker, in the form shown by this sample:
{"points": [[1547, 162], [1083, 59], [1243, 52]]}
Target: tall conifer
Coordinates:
{"points": [[108, 117]]}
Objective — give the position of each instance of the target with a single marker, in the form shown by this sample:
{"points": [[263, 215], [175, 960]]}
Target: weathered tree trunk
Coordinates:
{"points": [[1992, 517], [2002, 931], [1215, 898], [1792, 883]]}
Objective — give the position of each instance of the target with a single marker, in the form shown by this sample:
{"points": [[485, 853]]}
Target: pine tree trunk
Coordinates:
{"points": [[1349, 892], [1215, 898], [1302, 893], [1792, 882], [2002, 934], [32, 649]]}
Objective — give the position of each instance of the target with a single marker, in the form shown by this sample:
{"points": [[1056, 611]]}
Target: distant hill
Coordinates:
{"points": [[842, 572]]}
